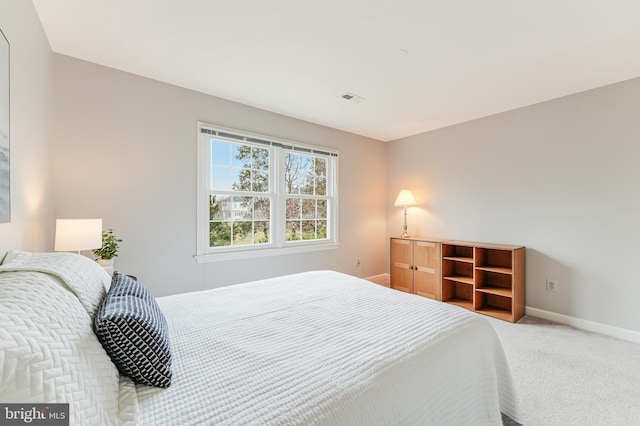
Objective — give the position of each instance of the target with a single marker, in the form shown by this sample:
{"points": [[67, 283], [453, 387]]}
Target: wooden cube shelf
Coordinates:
{"points": [[495, 273]]}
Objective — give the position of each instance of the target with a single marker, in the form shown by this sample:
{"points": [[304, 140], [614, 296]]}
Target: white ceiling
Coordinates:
{"points": [[466, 58]]}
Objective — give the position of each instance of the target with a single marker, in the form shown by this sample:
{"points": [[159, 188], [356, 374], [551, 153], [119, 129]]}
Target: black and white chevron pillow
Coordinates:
{"points": [[134, 332]]}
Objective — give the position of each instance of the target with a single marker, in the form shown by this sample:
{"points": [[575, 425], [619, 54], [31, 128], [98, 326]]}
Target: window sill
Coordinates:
{"points": [[249, 254]]}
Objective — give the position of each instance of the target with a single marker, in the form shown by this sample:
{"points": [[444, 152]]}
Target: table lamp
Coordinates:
{"points": [[78, 234], [405, 199]]}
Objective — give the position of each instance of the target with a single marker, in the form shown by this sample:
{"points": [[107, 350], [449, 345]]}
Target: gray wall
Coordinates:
{"points": [[125, 151], [31, 93], [560, 177]]}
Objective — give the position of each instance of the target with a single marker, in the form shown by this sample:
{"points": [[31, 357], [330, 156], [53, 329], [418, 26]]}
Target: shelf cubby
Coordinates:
{"points": [[491, 281], [494, 258], [457, 253], [494, 305], [457, 292]]}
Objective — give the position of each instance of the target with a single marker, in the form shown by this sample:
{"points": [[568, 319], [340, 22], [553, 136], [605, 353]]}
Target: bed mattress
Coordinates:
{"points": [[325, 348]]}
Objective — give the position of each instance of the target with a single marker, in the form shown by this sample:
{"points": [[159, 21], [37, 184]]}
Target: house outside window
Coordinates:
{"points": [[259, 195]]}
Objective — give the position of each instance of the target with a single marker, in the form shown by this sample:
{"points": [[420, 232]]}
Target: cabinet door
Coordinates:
{"points": [[426, 271], [401, 265]]}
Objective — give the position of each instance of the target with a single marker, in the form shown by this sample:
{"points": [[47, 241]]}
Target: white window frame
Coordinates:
{"points": [[278, 244]]}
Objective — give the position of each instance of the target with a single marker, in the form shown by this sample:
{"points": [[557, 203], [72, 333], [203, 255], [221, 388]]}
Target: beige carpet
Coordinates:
{"points": [[565, 376]]}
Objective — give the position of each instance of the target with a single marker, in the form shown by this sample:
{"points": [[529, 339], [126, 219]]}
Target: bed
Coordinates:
{"points": [[313, 348]]}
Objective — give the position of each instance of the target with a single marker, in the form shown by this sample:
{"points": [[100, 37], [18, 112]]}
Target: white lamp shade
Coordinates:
{"points": [[405, 199], [78, 234]]}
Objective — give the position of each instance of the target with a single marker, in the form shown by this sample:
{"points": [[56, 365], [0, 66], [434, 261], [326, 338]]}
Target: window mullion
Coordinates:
{"points": [[280, 198]]}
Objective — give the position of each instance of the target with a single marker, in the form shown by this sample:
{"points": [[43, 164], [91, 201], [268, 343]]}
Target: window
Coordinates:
{"points": [[239, 198], [305, 186], [260, 194]]}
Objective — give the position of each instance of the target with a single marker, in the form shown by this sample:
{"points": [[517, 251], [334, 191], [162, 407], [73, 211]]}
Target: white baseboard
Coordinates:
{"points": [[596, 327]]}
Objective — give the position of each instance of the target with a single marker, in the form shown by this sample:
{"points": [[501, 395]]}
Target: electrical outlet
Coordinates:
{"points": [[552, 285]]}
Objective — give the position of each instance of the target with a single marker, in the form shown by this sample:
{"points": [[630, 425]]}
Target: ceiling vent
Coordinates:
{"points": [[353, 98]]}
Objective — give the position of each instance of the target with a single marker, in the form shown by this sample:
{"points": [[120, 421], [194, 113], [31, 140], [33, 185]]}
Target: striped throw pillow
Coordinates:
{"points": [[134, 332]]}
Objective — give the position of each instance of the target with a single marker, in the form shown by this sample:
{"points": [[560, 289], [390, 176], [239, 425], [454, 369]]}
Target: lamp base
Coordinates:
{"points": [[404, 228]]}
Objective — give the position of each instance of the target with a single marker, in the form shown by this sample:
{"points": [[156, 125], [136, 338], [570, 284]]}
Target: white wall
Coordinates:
{"points": [[125, 151], [31, 91], [560, 177]]}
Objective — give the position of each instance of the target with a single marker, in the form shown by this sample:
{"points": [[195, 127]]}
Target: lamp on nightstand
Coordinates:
{"points": [[78, 234], [405, 199]]}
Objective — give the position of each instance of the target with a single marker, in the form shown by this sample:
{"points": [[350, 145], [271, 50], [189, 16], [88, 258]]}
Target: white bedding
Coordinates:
{"points": [[314, 348], [48, 351], [326, 348]]}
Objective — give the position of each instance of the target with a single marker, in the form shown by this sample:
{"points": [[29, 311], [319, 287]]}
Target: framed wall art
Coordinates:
{"points": [[5, 187]]}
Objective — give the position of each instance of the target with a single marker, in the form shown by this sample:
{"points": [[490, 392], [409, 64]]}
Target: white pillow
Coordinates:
{"points": [[49, 353], [10, 256], [83, 276]]}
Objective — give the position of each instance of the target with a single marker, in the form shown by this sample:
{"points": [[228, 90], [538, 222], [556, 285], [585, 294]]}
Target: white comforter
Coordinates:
{"points": [[326, 348], [48, 351], [314, 348]]}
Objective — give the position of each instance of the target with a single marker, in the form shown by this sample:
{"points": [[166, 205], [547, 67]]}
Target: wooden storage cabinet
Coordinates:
{"points": [[486, 278], [415, 266], [481, 277]]}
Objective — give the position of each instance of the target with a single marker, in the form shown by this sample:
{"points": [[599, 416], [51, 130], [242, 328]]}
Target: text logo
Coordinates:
{"points": [[34, 414]]}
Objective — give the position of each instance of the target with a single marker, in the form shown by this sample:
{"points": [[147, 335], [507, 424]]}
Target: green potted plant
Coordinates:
{"points": [[105, 255]]}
